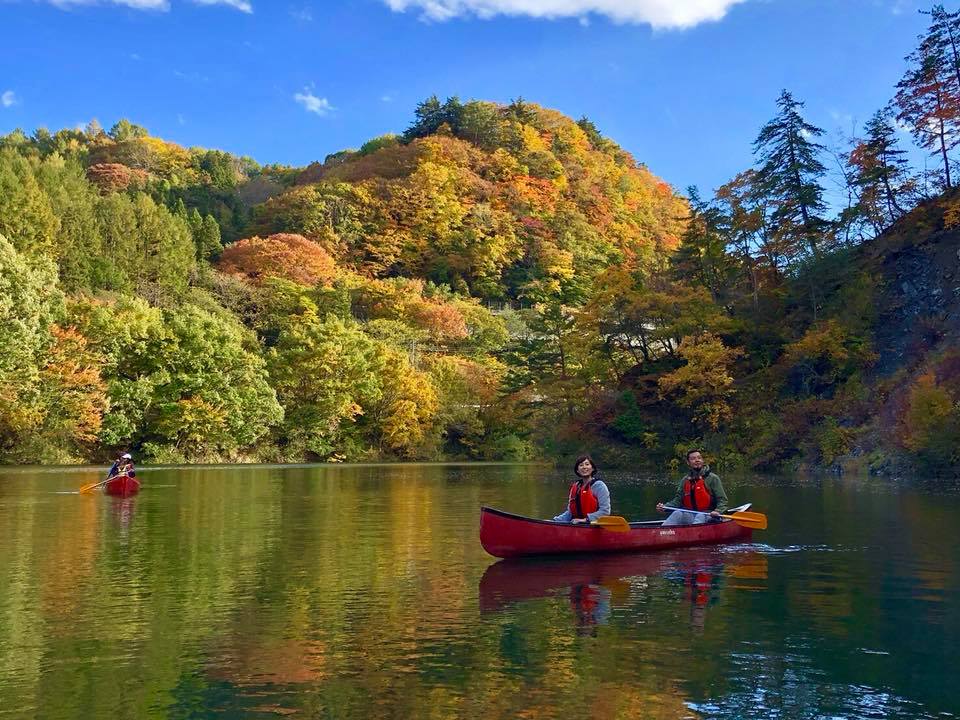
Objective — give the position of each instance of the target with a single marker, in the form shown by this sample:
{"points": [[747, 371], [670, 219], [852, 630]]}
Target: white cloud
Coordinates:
{"points": [[162, 5], [135, 4], [657, 13], [241, 5], [8, 99], [312, 103]]}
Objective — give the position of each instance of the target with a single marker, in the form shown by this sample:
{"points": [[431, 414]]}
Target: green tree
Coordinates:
{"points": [[27, 219], [324, 373], [790, 173], [79, 243], [213, 398], [166, 253], [702, 257], [124, 130], [30, 302]]}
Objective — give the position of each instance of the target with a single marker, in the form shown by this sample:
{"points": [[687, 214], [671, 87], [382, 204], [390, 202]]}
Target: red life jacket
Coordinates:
{"points": [[582, 501], [697, 496], [700, 586]]}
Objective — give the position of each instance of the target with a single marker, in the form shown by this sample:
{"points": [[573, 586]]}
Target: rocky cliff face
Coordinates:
{"points": [[917, 266], [920, 295]]}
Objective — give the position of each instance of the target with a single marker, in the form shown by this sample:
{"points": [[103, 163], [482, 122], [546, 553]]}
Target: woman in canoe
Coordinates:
{"points": [[589, 497]]}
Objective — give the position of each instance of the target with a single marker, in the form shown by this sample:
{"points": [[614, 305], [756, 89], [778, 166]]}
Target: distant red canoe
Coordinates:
{"points": [[506, 535], [122, 486]]}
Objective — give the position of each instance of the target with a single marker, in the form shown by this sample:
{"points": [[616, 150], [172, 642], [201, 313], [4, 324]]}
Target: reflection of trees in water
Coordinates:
{"points": [[119, 594], [354, 593]]}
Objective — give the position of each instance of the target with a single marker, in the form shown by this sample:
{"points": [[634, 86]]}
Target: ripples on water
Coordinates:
{"points": [[320, 592]]}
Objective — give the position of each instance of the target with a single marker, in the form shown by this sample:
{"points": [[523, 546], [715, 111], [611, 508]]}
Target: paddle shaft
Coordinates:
{"points": [[94, 486], [757, 521]]}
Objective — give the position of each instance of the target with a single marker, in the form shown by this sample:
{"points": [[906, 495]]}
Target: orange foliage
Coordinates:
{"points": [[283, 255], [112, 177], [79, 393], [442, 321]]}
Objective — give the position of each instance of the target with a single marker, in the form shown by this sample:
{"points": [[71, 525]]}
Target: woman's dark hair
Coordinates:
{"points": [[579, 460]]}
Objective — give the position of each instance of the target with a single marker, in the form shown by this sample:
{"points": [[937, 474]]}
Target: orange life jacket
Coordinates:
{"points": [[582, 500], [697, 496]]}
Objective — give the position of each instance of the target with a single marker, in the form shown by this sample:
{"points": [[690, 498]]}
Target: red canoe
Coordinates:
{"points": [[505, 535], [122, 486]]}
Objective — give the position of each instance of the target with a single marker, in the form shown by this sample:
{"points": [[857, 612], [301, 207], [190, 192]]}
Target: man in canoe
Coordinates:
{"points": [[589, 497], [699, 490], [123, 464]]}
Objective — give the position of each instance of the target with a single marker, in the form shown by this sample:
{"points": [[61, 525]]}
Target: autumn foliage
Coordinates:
{"points": [[283, 255]]}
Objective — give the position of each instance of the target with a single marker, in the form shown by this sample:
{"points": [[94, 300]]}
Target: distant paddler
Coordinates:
{"points": [[123, 465]]}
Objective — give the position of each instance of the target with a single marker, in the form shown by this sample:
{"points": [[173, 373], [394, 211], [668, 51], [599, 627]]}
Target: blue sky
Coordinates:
{"points": [[682, 84]]}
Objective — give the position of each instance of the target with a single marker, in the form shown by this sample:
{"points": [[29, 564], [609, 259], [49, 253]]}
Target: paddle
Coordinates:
{"points": [[614, 523], [753, 520], [93, 486]]}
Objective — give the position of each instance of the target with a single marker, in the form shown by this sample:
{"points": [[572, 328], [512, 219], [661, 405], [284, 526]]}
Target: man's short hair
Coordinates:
{"points": [[694, 450]]}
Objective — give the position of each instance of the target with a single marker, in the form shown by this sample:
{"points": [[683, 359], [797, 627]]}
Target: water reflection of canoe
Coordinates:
{"points": [[526, 578], [509, 581], [122, 486], [505, 535]]}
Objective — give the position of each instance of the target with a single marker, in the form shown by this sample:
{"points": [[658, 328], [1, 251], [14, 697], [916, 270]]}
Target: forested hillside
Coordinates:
{"points": [[192, 305], [498, 282]]}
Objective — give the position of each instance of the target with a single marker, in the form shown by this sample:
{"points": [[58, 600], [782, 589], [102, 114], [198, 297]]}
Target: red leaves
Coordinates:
{"points": [[112, 177]]}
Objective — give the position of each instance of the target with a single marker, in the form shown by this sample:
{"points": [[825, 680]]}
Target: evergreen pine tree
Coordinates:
{"points": [[789, 174], [881, 176]]}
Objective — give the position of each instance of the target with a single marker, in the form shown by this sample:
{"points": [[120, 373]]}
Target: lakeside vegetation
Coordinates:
{"points": [[498, 282]]}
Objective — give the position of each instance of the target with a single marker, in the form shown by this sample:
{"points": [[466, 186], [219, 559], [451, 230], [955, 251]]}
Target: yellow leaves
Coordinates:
{"points": [[827, 353], [951, 215], [705, 383], [929, 407], [193, 422], [408, 406]]}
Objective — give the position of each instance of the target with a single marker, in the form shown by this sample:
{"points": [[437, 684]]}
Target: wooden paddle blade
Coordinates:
{"points": [[754, 520], [614, 523]]}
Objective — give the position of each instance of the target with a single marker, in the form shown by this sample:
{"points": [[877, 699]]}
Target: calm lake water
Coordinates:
{"points": [[356, 592]]}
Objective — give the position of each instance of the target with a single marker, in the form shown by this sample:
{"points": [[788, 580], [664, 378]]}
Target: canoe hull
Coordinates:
{"points": [[506, 535], [122, 486]]}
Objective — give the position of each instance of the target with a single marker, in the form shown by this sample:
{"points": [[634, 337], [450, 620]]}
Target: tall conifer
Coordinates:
{"points": [[789, 173]]}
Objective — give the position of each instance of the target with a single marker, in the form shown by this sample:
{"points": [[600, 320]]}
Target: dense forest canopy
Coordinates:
{"points": [[497, 282]]}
